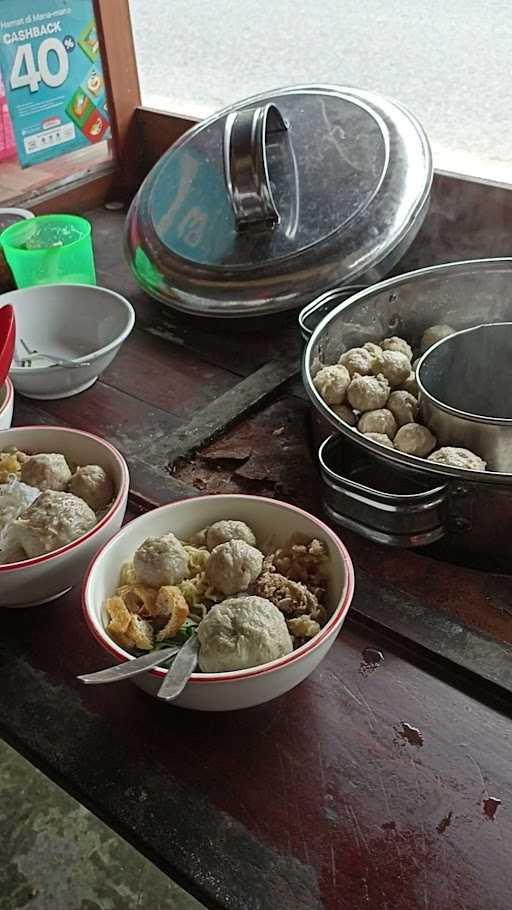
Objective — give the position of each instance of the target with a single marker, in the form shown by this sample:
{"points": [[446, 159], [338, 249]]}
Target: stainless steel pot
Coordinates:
{"points": [[464, 392], [471, 510]]}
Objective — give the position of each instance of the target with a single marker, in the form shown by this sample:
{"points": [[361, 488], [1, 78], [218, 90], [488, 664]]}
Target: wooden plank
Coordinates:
{"points": [[121, 82], [130, 424], [156, 132], [376, 778], [224, 411], [166, 376]]}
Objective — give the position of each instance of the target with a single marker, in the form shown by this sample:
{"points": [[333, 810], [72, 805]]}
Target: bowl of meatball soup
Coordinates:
{"points": [[63, 495], [263, 586]]}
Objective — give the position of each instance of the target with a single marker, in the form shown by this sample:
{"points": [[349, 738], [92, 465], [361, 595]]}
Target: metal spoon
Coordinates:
{"points": [[56, 361], [181, 671], [130, 668]]}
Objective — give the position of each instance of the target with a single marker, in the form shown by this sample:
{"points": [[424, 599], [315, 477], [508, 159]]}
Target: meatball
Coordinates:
{"points": [[367, 393], [15, 497], [379, 421], [242, 632], [381, 438], [332, 383], [46, 472], [410, 385], [395, 367], [233, 566], [53, 520], [161, 561], [403, 406], [199, 538], [375, 352], [433, 334], [458, 458], [92, 484], [12, 553], [415, 440], [345, 413], [222, 531], [358, 360], [397, 344]]}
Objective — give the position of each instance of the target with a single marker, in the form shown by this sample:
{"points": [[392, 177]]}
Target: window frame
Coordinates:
{"points": [[141, 134]]}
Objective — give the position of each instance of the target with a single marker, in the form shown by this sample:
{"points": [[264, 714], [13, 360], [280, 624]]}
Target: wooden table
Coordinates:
{"points": [[384, 781]]}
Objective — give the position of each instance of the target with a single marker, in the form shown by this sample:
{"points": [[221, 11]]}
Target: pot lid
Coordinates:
{"points": [[278, 198]]}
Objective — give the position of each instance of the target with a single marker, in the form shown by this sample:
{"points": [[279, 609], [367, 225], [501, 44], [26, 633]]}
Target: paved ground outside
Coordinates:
{"points": [[55, 855], [450, 63]]}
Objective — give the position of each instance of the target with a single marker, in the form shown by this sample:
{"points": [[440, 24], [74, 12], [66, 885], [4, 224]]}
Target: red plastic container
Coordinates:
{"points": [[7, 338]]}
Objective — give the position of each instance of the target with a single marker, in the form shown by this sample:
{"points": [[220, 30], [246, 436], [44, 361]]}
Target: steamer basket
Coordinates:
{"points": [[475, 515]]}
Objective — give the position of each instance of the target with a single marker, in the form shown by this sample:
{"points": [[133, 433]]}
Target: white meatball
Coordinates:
{"points": [[15, 497], [374, 349], [92, 484], [404, 407], [332, 383], [12, 553], [397, 344], [242, 632], [345, 413], [458, 458], [379, 421], [433, 334], [53, 520], [415, 440], [381, 438], [161, 561], [358, 360], [395, 367], [46, 472], [410, 385], [222, 531], [233, 566], [367, 393]]}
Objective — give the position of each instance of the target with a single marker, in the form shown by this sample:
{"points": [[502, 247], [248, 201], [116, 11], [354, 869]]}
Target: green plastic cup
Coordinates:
{"points": [[50, 249]]}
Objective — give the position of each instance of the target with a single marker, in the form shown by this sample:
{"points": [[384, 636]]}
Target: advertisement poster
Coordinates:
{"points": [[51, 68]]}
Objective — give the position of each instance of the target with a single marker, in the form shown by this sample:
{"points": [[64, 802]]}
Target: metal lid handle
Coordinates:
{"points": [[246, 138]]}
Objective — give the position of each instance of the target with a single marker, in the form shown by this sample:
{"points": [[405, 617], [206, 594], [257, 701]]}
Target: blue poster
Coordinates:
{"points": [[51, 68]]}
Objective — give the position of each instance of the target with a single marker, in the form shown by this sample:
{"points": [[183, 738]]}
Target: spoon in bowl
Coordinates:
{"points": [[130, 668], [181, 670]]}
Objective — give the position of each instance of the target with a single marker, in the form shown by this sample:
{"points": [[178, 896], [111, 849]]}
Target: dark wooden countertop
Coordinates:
{"points": [[384, 780]]}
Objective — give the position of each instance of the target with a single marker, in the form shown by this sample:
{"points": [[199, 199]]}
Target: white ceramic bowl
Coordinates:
{"points": [[6, 404], [78, 321], [244, 688], [39, 580]]}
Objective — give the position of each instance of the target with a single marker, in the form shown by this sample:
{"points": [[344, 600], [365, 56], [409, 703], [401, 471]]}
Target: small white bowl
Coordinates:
{"points": [[243, 688], [6, 404], [37, 581], [79, 321]]}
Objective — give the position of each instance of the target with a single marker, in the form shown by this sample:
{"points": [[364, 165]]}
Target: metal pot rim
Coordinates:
{"points": [[448, 409], [393, 455]]}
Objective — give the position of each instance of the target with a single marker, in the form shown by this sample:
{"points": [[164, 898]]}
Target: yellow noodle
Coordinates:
{"points": [[127, 575]]}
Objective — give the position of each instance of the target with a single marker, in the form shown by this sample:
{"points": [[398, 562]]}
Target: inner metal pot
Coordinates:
{"points": [[464, 392]]}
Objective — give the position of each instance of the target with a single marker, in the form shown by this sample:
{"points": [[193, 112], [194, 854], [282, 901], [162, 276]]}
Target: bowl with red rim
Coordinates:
{"points": [[6, 404], [44, 578], [268, 518]]}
